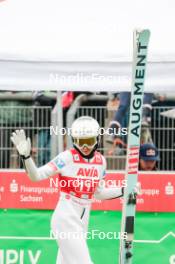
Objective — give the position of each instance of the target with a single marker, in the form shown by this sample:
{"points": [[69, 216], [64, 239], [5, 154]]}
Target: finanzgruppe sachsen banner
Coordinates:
{"points": [[17, 191]]}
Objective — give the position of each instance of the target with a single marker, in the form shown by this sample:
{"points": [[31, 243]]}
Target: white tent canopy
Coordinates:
{"points": [[80, 45]]}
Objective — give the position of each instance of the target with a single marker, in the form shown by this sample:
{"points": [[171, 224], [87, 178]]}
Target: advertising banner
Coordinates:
{"points": [[18, 191]]}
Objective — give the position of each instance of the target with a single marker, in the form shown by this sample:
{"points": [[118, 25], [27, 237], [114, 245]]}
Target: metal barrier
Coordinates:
{"points": [[162, 131], [36, 121], [163, 134]]}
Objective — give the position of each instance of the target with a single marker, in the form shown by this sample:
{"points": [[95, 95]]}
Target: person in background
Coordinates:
{"points": [[45, 101], [149, 157], [117, 123], [15, 112]]}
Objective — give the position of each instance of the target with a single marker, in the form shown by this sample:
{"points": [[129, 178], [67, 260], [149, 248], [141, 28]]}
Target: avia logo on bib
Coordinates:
{"points": [[10, 256], [92, 172]]}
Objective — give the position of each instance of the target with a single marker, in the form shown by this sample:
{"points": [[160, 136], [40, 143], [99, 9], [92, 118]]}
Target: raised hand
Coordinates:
{"points": [[22, 144]]}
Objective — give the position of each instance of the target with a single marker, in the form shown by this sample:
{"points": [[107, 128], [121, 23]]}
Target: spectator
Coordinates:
{"points": [[42, 101], [45, 99], [148, 157], [117, 123], [14, 113]]}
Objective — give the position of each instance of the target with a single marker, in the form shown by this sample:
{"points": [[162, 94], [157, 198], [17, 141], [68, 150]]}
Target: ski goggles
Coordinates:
{"points": [[89, 142]]}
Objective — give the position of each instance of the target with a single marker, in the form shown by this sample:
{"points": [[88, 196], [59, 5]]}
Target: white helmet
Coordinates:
{"points": [[85, 131], [85, 126]]}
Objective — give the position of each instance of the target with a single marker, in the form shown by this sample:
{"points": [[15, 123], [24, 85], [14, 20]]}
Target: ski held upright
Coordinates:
{"points": [[141, 40]]}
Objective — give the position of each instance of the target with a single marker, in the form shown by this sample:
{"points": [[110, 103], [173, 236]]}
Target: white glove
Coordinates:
{"points": [[22, 144], [137, 188]]}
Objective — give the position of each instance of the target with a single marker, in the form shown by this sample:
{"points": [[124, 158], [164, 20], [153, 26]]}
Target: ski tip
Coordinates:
{"points": [[145, 31], [141, 33]]}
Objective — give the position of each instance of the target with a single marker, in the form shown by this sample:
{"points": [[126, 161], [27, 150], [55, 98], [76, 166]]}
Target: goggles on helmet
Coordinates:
{"points": [[89, 142]]}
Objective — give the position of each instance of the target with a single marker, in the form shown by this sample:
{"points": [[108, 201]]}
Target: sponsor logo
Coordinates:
{"points": [[138, 89], [98, 158], [10, 256], [76, 157], [13, 186], [150, 153], [92, 172], [59, 163]]}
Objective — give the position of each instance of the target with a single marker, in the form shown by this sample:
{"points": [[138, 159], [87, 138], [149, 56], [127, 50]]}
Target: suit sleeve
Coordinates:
{"points": [[53, 167], [105, 193]]}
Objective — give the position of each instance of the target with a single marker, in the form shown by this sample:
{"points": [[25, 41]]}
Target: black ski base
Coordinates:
{"points": [[129, 255], [132, 198]]}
